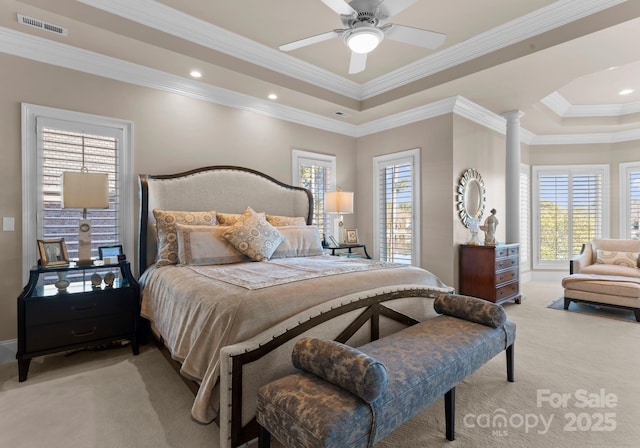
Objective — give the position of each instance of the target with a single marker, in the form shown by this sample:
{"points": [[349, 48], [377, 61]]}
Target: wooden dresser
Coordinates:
{"points": [[490, 272]]}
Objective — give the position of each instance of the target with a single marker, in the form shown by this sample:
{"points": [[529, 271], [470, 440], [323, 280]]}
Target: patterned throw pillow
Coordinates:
{"points": [[167, 234], [229, 219], [254, 236], [628, 259], [282, 221], [203, 245]]}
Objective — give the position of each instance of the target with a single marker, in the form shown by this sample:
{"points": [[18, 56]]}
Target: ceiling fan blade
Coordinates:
{"points": [[389, 8], [358, 62], [341, 7], [413, 36], [310, 40]]}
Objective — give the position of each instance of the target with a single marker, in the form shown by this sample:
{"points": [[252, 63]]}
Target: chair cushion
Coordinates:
{"points": [[599, 284]]}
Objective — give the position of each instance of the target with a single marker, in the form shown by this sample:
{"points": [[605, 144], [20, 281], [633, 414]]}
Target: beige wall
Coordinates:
{"points": [[172, 133]]}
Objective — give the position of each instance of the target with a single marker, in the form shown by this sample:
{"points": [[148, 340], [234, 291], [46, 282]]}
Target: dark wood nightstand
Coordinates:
{"points": [[349, 247], [90, 311]]}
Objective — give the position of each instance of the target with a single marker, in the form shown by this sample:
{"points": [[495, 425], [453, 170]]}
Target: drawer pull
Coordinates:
{"points": [[80, 334], [83, 308]]}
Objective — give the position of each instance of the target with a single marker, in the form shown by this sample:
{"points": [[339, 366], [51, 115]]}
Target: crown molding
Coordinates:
{"points": [[563, 108], [163, 18], [63, 55]]}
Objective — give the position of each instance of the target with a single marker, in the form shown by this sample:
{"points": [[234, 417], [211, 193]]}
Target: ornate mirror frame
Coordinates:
{"points": [[471, 195]]}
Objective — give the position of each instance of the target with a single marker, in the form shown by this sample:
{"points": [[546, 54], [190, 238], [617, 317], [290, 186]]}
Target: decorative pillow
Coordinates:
{"points": [[167, 235], [299, 241], [229, 219], [204, 245], [470, 308], [341, 365], [254, 236], [628, 259], [282, 221]]}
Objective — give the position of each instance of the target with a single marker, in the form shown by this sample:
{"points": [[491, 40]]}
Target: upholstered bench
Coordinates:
{"points": [[345, 397]]}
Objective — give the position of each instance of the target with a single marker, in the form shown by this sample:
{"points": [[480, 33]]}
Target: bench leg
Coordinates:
{"points": [[450, 413], [510, 366], [264, 438]]}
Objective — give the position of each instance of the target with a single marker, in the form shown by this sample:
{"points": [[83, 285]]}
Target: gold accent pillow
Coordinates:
{"points": [[254, 236], [282, 221], [166, 221], [204, 245], [229, 219], [629, 259]]}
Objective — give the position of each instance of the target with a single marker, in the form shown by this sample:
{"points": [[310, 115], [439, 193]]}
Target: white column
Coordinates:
{"points": [[512, 177]]}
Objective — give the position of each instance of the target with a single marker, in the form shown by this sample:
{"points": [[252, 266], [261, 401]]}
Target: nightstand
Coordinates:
{"points": [[90, 306], [349, 247]]}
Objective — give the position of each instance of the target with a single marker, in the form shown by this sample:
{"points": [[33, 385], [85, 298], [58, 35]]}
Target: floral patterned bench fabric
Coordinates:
{"points": [[423, 362]]}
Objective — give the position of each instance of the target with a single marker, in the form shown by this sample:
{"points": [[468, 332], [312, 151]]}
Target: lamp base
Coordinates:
{"points": [[88, 262]]}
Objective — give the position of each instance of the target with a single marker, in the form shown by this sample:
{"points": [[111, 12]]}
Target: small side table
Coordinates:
{"points": [[349, 247]]}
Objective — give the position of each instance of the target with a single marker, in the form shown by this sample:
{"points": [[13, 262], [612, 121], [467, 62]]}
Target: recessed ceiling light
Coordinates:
{"points": [[196, 74], [273, 96], [625, 91]]}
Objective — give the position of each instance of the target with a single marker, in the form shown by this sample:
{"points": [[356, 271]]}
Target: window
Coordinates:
{"points": [[397, 207], [524, 217], [630, 200], [55, 141], [571, 208], [316, 172]]}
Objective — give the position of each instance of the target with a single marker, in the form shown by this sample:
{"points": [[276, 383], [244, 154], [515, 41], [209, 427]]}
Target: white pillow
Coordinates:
{"points": [[254, 236], [299, 241], [204, 245]]}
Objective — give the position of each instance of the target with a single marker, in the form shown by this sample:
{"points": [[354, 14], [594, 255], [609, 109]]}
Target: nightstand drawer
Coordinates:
{"points": [[49, 310], [47, 337]]}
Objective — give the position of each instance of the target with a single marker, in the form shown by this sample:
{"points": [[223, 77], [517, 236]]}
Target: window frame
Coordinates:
{"points": [[571, 170], [626, 169], [32, 191], [299, 157], [525, 218], [411, 156]]}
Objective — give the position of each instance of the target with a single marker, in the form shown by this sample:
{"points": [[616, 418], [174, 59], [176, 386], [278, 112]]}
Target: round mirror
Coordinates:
{"points": [[470, 197]]}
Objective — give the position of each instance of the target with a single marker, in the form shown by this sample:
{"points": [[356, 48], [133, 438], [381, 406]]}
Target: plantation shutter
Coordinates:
{"points": [[317, 176], [396, 209], [61, 145], [571, 205]]}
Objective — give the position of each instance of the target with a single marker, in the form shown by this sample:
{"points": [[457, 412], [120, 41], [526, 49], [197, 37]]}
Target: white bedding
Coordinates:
{"points": [[197, 314]]}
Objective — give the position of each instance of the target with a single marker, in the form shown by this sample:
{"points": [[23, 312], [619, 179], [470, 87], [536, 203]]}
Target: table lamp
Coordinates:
{"points": [[340, 203], [84, 190]]}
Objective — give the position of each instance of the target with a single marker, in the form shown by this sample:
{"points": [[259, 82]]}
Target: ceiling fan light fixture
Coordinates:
{"points": [[363, 40]]}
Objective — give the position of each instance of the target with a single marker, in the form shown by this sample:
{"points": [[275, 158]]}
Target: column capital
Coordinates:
{"points": [[513, 114]]}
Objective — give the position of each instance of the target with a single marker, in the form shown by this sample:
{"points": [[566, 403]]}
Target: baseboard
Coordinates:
{"points": [[8, 350]]}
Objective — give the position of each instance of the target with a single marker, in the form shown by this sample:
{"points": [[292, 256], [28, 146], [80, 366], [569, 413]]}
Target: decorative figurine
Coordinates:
{"points": [[474, 228], [62, 282], [489, 229], [109, 277], [96, 281]]}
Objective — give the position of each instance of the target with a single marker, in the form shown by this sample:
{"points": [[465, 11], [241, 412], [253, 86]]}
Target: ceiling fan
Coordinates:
{"points": [[363, 33]]}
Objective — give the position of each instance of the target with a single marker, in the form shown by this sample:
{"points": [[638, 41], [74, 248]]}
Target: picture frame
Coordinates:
{"points": [[351, 236], [110, 251], [53, 253]]}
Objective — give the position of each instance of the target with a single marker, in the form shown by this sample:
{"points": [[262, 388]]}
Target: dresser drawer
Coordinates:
{"points": [[49, 310], [47, 337], [506, 291], [513, 251], [506, 263], [506, 276], [502, 252]]}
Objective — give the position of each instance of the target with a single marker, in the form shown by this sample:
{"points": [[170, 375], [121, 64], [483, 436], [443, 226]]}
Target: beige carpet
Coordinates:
{"points": [[113, 399]]}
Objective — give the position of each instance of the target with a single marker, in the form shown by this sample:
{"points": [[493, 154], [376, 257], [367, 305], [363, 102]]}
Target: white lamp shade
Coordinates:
{"points": [[85, 190], [339, 202]]}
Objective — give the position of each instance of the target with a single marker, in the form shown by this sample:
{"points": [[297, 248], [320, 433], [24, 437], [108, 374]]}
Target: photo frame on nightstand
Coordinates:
{"points": [[351, 236], [53, 253]]}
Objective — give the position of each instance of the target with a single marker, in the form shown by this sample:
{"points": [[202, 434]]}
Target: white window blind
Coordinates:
{"points": [[630, 200], [316, 172], [571, 203], [64, 150], [396, 207], [524, 217]]}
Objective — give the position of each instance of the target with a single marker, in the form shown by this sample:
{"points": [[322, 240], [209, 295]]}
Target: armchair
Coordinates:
{"points": [[606, 273]]}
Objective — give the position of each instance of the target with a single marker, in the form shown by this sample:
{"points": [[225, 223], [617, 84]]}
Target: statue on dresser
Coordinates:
{"points": [[489, 229]]}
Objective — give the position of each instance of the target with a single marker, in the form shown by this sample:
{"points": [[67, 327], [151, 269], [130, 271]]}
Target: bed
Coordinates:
{"points": [[230, 321]]}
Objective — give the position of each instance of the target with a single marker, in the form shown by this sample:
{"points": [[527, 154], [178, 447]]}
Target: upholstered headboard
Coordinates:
{"points": [[228, 189]]}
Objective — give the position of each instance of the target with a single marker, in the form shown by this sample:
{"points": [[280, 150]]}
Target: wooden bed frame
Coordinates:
{"points": [[354, 319]]}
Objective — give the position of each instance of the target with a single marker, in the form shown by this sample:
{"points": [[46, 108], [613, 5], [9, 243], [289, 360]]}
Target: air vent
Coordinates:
{"points": [[35, 23], [339, 113]]}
